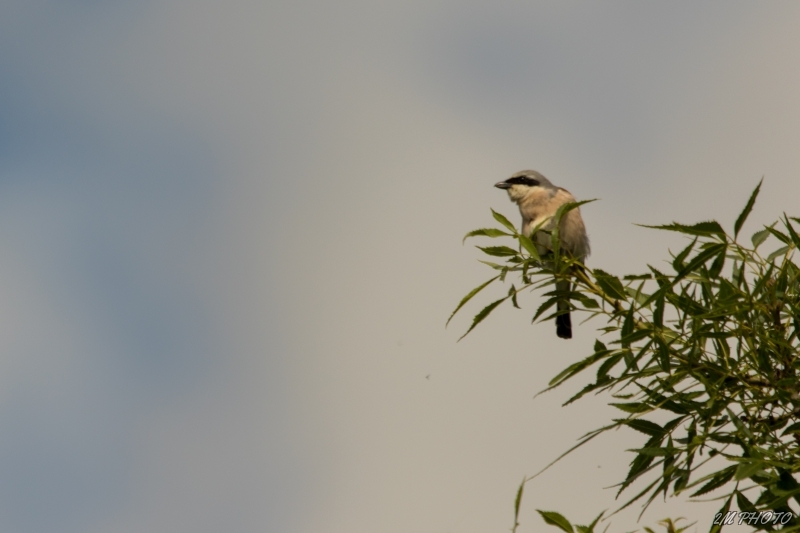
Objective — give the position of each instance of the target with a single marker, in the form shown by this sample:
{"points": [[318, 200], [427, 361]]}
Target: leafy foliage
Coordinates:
{"points": [[714, 344]]}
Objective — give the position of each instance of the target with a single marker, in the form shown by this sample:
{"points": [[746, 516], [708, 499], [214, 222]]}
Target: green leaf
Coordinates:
{"points": [[599, 346], [504, 221], [517, 503], [640, 464], [719, 479], [527, 243], [637, 276], [634, 336], [485, 232], [637, 294], [563, 209], [700, 229], [719, 262], [644, 426], [512, 292], [687, 305], [747, 470], [658, 313], [746, 211], [627, 327], [605, 368], [574, 368], [587, 389], [498, 251], [483, 314], [787, 482], [759, 237], [494, 265], [655, 451], [779, 234], [632, 407], [555, 519], [610, 284], [794, 428], [590, 527], [792, 233], [469, 296], [545, 306], [669, 405], [716, 528], [678, 262], [663, 356], [779, 252], [698, 260], [743, 503], [587, 302]]}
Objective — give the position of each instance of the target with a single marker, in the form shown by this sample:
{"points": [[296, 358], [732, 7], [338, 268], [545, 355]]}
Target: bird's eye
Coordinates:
{"points": [[522, 180]]}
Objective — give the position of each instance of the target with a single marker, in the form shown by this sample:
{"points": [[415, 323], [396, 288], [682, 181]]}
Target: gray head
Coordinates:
{"points": [[520, 184]]}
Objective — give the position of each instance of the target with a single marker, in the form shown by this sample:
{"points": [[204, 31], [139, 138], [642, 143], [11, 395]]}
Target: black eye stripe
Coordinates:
{"points": [[522, 180]]}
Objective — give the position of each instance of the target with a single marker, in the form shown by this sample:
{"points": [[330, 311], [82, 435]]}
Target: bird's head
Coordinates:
{"points": [[523, 183]]}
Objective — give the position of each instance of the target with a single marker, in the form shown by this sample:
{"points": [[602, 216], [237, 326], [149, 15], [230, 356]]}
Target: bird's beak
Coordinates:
{"points": [[502, 185]]}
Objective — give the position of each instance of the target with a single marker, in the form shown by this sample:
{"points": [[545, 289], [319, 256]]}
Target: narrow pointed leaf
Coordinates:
{"points": [[561, 212], [563, 209], [587, 302], [744, 504], [513, 293], [544, 307], [498, 251], [485, 232], [794, 428], [504, 221], [527, 243], [469, 296], [720, 478], [627, 327], [739, 425], [698, 260], [610, 284], [483, 314], [779, 234], [594, 522], [779, 252], [493, 265], [792, 233], [747, 470], [715, 528], [746, 211], [678, 262], [574, 368], [517, 503], [644, 426], [658, 314], [632, 407], [700, 229], [719, 262], [555, 519], [759, 237], [640, 465]]}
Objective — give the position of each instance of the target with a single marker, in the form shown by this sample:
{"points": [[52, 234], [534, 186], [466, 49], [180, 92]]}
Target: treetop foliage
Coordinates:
{"points": [[713, 344]]}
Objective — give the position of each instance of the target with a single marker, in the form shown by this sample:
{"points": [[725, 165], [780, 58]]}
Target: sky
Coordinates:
{"points": [[230, 238]]}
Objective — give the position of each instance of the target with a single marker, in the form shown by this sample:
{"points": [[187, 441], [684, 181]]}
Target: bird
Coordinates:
{"points": [[538, 200]]}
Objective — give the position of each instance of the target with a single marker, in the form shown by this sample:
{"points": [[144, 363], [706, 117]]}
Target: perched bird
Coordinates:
{"points": [[538, 200]]}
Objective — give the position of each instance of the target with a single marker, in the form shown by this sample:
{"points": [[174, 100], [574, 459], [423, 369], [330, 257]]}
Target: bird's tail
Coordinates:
{"points": [[563, 321]]}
